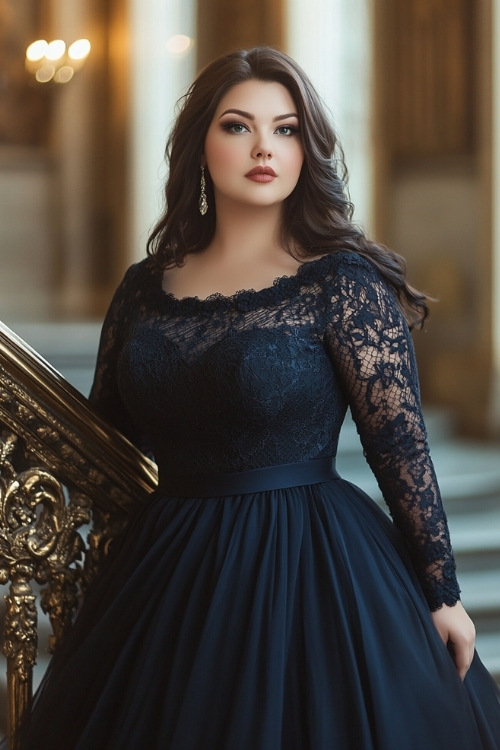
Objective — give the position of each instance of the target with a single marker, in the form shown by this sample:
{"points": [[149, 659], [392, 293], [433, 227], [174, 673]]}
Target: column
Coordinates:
{"points": [[227, 25], [74, 150], [161, 68], [495, 202], [332, 41]]}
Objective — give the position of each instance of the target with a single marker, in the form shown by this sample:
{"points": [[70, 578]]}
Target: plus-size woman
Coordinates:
{"points": [[258, 601]]}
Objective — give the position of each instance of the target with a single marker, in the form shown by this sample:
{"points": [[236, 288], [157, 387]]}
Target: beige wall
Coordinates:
{"points": [[495, 214], [28, 234], [433, 192], [63, 218]]}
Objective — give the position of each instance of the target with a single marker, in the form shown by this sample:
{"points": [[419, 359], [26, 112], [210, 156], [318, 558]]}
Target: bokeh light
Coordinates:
{"points": [[64, 74], [79, 49], [37, 50], [45, 73], [55, 50], [179, 44]]}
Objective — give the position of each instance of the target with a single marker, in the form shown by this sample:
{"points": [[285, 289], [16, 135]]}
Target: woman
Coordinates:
{"points": [[258, 601]]}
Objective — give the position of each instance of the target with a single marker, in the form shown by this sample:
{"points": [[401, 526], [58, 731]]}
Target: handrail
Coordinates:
{"points": [[61, 466], [62, 428]]}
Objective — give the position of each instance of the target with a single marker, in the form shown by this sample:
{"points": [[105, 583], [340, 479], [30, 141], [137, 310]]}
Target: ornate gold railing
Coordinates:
{"points": [[62, 468]]}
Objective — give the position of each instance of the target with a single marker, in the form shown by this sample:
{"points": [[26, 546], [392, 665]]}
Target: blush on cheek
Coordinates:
{"points": [[220, 158]]}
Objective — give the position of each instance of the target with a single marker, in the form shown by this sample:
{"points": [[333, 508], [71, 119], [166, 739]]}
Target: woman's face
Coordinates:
{"points": [[253, 149]]}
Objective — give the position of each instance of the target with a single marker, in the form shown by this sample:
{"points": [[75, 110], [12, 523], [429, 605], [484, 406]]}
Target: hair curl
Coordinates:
{"points": [[317, 215]]}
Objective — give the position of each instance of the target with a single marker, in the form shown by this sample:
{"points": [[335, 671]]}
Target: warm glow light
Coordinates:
{"points": [[79, 49], [55, 50], [179, 44], [37, 50], [64, 74], [51, 62], [45, 73]]}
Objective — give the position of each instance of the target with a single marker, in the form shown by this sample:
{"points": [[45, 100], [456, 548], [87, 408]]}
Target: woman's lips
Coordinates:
{"points": [[261, 174]]}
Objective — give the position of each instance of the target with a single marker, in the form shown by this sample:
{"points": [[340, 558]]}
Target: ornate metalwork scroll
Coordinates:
{"points": [[61, 468]]}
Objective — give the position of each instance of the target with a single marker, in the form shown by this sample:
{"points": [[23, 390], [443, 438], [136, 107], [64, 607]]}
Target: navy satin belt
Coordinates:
{"points": [[220, 484]]}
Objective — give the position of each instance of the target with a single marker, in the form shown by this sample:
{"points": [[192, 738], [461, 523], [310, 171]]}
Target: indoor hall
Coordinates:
{"points": [[414, 93]]}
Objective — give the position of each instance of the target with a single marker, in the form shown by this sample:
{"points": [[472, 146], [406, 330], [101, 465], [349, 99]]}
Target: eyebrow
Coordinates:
{"points": [[249, 116]]}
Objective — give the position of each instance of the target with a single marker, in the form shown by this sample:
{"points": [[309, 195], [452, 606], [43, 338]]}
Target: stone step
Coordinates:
{"points": [[488, 648], [481, 591], [467, 481], [476, 531], [439, 425]]}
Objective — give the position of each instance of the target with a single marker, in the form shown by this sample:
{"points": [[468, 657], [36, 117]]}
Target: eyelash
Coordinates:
{"points": [[228, 126]]}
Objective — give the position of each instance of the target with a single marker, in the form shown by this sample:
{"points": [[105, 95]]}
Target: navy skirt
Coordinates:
{"points": [[266, 619]]}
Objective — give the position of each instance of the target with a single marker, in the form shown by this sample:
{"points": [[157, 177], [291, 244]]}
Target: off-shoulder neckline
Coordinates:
{"points": [[281, 287]]}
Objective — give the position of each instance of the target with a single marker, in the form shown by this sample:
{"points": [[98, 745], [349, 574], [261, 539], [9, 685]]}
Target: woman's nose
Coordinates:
{"points": [[262, 150]]}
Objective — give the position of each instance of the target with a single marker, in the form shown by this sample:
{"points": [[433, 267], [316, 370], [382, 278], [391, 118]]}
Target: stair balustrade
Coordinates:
{"points": [[64, 473]]}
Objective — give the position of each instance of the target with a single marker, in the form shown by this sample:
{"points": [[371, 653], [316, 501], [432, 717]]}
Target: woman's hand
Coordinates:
{"points": [[458, 633]]}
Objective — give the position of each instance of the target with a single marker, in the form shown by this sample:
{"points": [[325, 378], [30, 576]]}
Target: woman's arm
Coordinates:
{"points": [[372, 351], [104, 395]]}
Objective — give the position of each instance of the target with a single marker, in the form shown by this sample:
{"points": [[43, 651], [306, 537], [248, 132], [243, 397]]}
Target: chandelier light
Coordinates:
{"points": [[54, 62]]}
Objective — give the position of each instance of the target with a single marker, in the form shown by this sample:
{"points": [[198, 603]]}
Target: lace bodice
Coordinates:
{"points": [[265, 377]]}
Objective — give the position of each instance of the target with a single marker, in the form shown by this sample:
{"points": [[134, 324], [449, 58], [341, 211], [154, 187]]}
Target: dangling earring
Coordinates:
{"points": [[202, 204]]}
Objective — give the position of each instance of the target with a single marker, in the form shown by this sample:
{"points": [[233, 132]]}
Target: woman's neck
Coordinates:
{"points": [[245, 253], [246, 233]]}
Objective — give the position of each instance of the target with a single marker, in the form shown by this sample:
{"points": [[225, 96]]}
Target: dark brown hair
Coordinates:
{"points": [[317, 216]]}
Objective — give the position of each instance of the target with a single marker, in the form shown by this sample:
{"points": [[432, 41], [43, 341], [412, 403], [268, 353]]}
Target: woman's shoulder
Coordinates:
{"points": [[348, 277], [145, 267], [140, 275], [340, 266], [138, 284]]}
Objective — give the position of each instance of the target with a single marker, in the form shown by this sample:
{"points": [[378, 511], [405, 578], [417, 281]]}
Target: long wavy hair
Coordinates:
{"points": [[316, 216]]}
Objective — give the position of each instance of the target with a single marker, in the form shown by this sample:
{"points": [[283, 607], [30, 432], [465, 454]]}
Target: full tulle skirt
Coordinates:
{"points": [[281, 620]]}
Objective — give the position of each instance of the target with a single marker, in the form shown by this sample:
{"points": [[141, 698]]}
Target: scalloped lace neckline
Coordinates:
{"points": [[286, 281]]}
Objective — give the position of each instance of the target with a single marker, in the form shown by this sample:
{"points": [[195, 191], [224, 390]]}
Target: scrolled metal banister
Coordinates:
{"points": [[61, 468]]}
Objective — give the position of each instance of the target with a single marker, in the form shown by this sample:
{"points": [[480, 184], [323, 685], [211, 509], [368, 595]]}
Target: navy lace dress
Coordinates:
{"points": [[258, 601]]}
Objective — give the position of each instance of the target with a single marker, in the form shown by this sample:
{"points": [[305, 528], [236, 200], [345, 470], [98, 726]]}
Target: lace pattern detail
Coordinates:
{"points": [[373, 353], [265, 377]]}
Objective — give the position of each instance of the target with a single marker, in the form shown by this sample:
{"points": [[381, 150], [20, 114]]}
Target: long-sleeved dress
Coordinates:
{"points": [[258, 601]]}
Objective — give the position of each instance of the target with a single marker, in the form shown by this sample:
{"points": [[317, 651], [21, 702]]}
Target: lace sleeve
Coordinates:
{"points": [[372, 351], [104, 395]]}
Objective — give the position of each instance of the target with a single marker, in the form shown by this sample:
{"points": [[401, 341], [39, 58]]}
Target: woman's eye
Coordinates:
{"points": [[287, 130], [234, 127]]}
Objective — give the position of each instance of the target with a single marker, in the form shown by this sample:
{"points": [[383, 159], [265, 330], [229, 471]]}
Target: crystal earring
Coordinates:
{"points": [[202, 203]]}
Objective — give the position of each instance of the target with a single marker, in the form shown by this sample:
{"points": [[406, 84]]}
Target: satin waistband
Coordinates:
{"points": [[220, 484]]}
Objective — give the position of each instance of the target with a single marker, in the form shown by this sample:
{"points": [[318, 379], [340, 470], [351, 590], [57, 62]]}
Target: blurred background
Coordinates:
{"points": [[414, 90]]}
